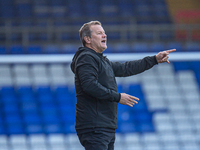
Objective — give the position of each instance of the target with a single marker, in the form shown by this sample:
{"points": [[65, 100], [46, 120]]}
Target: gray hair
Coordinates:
{"points": [[85, 30]]}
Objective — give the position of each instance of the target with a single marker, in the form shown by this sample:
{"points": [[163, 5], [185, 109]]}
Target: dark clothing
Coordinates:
{"points": [[97, 140], [96, 87]]}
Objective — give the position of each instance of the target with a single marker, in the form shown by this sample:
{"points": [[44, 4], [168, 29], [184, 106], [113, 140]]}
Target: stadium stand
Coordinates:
{"points": [[37, 100], [34, 113]]}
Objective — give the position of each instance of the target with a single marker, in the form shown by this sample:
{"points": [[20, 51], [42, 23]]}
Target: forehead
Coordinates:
{"points": [[96, 28]]}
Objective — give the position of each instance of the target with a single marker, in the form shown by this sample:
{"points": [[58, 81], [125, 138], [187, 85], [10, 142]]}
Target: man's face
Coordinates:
{"points": [[98, 38]]}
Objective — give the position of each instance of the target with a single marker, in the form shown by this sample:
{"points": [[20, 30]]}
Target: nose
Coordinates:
{"points": [[104, 35]]}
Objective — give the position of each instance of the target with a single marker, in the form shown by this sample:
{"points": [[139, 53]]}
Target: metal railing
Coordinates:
{"points": [[126, 33]]}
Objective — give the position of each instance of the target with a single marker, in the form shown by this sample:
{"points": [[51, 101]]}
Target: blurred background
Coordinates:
{"points": [[37, 97]]}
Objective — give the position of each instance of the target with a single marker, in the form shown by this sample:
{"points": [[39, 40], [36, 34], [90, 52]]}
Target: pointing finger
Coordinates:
{"points": [[171, 50]]}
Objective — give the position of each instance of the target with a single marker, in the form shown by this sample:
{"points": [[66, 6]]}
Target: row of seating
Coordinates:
{"points": [[45, 110], [117, 48], [153, 11]]}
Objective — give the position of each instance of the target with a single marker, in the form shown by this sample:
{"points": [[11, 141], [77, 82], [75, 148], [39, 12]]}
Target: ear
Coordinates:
{"points": [[87, 39]]}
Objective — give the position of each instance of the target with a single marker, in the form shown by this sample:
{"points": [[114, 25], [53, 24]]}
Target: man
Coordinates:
{"points": [[96, 88]]}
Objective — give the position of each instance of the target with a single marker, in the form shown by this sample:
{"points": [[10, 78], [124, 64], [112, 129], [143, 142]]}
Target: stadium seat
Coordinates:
{"points": [[157, 47], [51, 49], [12, 118], [32, 118], [74, 8], [140, 47], [45, 98], [2, 49], [69, 128], [17, 49], [7, 90], [69, 48], [122, 48], [193, 46], [91, 6], [34, 49], [127, 127], [29, 107], [176, 45], [23, 10], [53, 128], [34, 128], [8, 98], [181, 66], [23, 90], [15, 129], [8, 108]]}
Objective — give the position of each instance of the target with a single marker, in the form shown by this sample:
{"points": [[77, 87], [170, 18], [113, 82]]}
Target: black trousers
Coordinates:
{"points": [[97, 140]]}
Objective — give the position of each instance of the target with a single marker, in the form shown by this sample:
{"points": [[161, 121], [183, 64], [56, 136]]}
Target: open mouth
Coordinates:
{"points": [[103, 41]]}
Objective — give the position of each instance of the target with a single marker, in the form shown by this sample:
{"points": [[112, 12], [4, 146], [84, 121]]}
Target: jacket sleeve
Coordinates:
{"points": [[87, 71], [133, 67]]}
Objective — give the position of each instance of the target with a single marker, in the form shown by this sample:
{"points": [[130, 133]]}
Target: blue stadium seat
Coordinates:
{"points": [[43, 90], [145, 127], [45, 98], [145, 35], [2, 37], [74, 8], [126, 9], [34, 49], [2, 49], [29, 107], [194, 65], [91, 6], [48, 108], [140, 47], [25, 90], [122, 48], [167, 35], [192, 46], [32, 118], [7, 11], [9, 98], [2, 129], [16, 49], [120, 88], [53, 128], [49, 119], [135, 89], [7, 90], [178, 46], [126, 127], [51, 49], [65, 108], [13, 118], [69, 48], [15, 129], [23, 10], [156, 47], [143, 117], [63, 36], [57, 2], [34, 128], [27, 97], [181, 66], [11, 108], [125, 116], [69, 128]]}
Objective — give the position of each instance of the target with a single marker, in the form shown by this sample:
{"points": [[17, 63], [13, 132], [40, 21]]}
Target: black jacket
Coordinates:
{"points": [[96, 87]]}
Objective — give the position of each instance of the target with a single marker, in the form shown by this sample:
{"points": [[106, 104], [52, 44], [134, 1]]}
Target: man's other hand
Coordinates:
{"points": [[128, 99]]}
